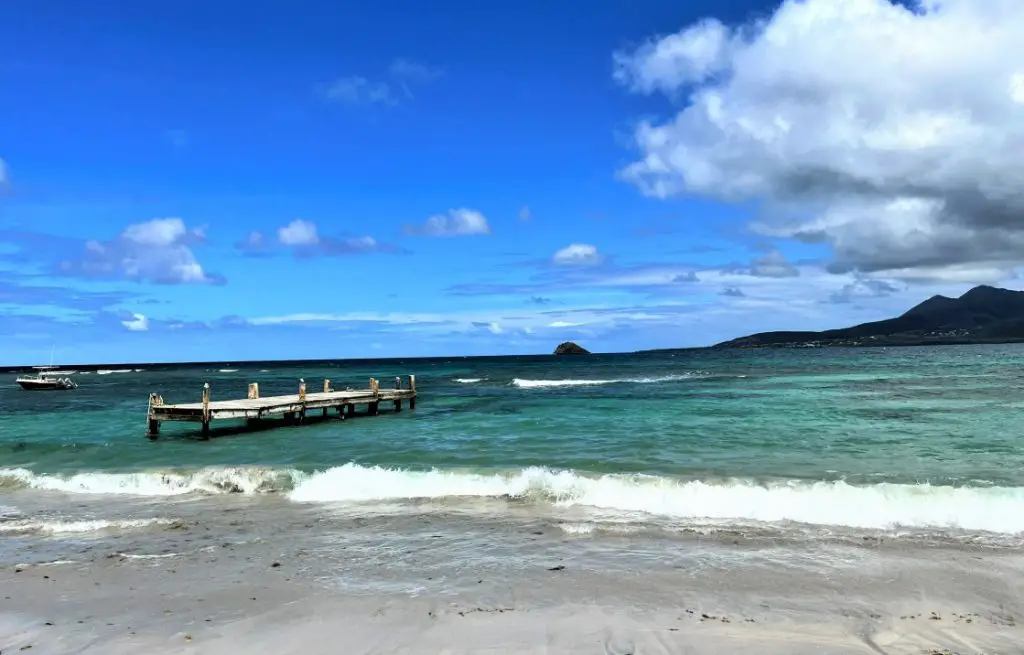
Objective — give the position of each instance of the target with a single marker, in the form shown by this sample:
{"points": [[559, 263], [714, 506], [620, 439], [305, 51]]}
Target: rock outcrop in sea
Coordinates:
{"points": [[570, 348]]}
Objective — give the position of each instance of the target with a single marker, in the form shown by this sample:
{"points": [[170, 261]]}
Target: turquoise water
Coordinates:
{"points": [[913, 437]]}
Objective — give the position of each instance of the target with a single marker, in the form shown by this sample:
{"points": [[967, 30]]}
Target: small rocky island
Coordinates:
{"points": [[570, 348]]}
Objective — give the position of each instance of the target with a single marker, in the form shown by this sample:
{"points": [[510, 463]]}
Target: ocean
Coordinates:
{"points": [[623, 461]]}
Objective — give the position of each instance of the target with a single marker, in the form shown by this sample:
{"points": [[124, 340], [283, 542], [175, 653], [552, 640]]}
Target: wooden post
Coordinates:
{"points": [[153, 425], [350, 409], [254, 390], [327, 389], [302, 390], [398, 382], [398, 404], [373, 408], [412, 387], [206, 410]]}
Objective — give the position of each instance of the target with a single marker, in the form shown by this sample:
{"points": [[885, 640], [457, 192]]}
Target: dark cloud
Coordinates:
{"points": [[773, 264], [733, 292], [863, 288]]}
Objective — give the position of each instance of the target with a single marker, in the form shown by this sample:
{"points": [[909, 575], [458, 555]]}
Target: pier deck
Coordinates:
{"points": [[293, 407]]}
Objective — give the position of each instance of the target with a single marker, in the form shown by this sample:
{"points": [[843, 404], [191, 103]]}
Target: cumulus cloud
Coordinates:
{"points": [[577, 254], [304, 239], [298, 233], [157, 251], [895, 135], [454, 223], [137, 323]]}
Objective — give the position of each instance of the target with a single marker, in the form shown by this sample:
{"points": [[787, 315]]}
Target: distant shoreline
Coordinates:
{"points": [[728, 345]]}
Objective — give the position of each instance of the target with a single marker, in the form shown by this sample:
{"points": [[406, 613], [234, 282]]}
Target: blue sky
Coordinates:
{"points": [[222, 180]]}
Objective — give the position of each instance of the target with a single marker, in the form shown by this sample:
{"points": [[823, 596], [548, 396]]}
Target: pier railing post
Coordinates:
{"points": [[302, 390], [327, 389], [206, 409], [254, 390], [152, 425], [412, 388]]}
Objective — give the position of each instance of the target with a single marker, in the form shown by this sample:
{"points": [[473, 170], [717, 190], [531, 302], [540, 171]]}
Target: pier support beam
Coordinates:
{"points": [[372, 409], [398, 405], [153, 429], [350, 410], [204, 433]]}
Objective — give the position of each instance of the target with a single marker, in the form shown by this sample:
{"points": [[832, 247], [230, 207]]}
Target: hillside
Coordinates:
{"points": [[982, 315]]}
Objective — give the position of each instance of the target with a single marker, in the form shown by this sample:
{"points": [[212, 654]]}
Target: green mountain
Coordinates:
{"points": [[982, 315]]}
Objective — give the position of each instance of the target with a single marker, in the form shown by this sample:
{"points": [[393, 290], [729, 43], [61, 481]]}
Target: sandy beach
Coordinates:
{"points": [[249, 579]]}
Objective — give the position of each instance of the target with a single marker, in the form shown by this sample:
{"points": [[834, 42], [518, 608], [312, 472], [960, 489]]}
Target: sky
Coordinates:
{"points": [[225, 180]]}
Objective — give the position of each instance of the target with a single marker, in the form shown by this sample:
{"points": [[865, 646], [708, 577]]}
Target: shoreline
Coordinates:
{"points": [[237, 574], [253, 598]]}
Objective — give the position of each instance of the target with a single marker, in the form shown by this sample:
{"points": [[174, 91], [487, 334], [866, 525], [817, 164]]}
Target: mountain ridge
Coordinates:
{"points": [[984, 314]]}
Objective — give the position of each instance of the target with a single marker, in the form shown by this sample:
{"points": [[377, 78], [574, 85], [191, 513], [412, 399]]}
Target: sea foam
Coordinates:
{"points": [[79, 527], [540, 384], [245, 480], [827, 503]]}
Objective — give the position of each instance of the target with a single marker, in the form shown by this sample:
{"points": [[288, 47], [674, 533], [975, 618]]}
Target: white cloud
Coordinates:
{"points": [[894, 135], [454, 223], [4, 177], [413, 71], [357, 90], [360, 90], [298, 233], [578, 254], [155, 251], [137, 323], [525, 214], [305, 240]]}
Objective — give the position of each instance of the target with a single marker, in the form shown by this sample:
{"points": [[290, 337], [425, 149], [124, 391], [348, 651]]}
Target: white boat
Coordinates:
{"points": [[49, 378]]}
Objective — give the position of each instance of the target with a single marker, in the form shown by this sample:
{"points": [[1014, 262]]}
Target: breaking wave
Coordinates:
{"points": [[467, 380], [540, 384], [988, 509], [204, 481]]}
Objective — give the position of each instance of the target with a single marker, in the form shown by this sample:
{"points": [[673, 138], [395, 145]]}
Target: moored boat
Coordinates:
{"points": [[47, 380]]}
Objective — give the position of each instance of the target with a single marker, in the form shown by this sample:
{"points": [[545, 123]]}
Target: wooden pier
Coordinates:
{"points": [[292, 408]]}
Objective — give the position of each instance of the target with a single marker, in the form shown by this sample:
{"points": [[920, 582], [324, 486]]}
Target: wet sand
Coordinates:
{"points": [[242, 579]]}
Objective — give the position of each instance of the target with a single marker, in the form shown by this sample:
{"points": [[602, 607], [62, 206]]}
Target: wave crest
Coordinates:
{"points": [[207, 481], [540, 384], [702, 502]]}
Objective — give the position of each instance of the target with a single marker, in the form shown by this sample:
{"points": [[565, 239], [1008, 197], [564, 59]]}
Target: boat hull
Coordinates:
{"points": [[44, 385]]}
